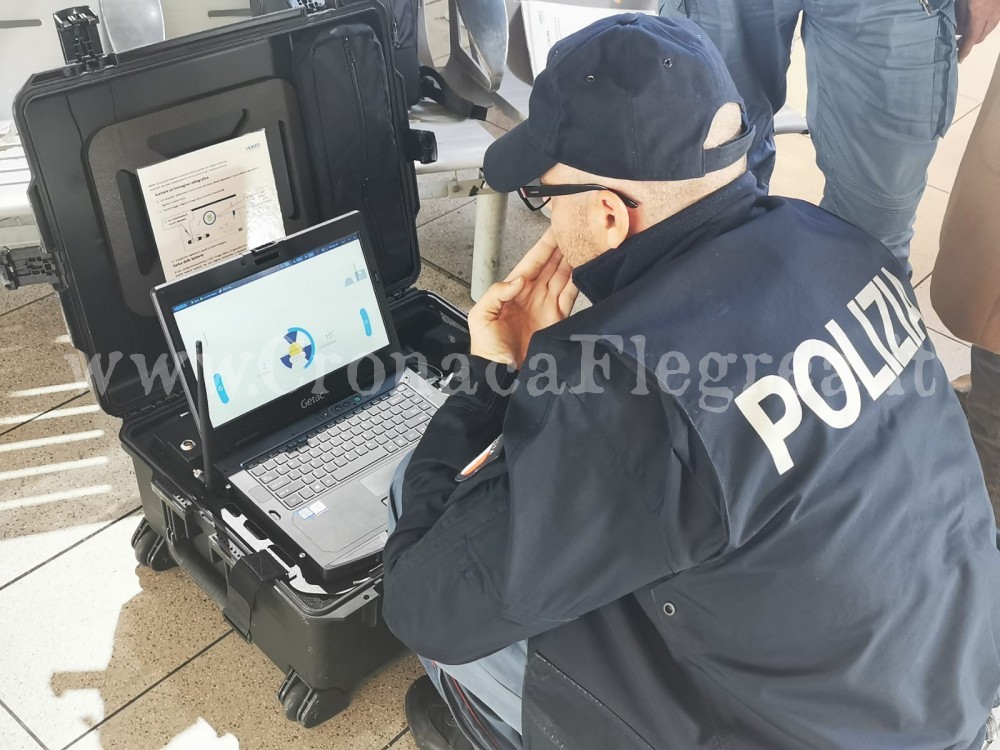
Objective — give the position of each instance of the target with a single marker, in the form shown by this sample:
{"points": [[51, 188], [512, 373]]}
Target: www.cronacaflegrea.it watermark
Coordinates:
{"points": [[817, 373]]}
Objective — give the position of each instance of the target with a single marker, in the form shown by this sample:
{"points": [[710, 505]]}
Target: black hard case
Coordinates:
{"points": [[86, 129]]}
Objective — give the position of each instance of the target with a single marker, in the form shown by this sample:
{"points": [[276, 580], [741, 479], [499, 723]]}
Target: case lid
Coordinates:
{"points": [[87, 129]]}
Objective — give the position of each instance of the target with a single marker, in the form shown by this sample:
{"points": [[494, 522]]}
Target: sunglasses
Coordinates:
{"points": [[536, 196]]}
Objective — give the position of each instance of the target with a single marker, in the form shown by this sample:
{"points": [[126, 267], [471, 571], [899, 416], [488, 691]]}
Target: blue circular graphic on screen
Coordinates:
{"points": [[301, 349]]}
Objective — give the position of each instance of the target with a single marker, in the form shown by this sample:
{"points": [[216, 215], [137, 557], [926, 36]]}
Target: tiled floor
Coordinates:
{"points": [[97, 653]]}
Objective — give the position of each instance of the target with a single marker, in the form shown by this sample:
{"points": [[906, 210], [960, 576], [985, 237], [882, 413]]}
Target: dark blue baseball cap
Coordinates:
{"points": [[630, 97]]}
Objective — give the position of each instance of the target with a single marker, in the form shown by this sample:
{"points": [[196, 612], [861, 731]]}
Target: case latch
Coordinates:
{"points": [[80, 39], [22, 266], [246, 578], [421, 146]]}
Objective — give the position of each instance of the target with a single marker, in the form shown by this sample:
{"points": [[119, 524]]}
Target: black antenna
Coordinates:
{"points": [[204, 422], [206, 435]]}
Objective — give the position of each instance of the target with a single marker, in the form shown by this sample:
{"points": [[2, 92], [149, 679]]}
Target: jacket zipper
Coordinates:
{"points": [[363, 122], [926, 5]]}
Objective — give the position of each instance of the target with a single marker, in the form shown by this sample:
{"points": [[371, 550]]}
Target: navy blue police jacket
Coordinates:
{"points": [[738, 506]]}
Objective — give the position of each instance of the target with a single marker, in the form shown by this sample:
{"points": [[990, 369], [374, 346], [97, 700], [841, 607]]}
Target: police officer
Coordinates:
{"points": [[732, 504]]}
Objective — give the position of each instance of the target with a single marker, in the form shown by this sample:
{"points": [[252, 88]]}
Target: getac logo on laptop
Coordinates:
{"points": [[307, 402]]}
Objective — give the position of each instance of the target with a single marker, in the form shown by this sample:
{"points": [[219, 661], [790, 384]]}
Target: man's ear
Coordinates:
{"points": [[612, 219]]}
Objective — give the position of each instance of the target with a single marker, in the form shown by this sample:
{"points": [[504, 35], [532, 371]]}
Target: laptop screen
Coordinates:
{"points": [[273, 332]]}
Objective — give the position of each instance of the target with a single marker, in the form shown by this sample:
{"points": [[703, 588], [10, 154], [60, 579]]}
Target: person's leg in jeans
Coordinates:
{"points": [[984, 418], [882, 87], [493, 684], [755, 39]]}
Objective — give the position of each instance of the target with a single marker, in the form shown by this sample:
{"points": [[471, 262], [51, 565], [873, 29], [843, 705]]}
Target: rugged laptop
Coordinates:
{"points": [[309, 399]]}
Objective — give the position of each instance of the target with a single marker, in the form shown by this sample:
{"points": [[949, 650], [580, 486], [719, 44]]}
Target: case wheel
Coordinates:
{"points": [[309, 707], [151, 549]]}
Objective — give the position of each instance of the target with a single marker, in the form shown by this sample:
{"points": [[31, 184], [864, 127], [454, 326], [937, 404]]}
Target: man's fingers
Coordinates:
{"points": [[963, 20], [541, 282], [974, 35], [494, 298], [505, 291], [990, 26], [976, 20], [982, 28], [962, 17], [535, 259], [567, 298], [964, 47], [560, 278]]}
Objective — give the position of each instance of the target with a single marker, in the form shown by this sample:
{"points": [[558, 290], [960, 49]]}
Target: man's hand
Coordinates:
{"points": [[538, 293], [976, 19]]}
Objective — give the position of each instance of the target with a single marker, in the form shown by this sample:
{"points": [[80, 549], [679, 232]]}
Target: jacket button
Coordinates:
{"points": [[669, 609]]}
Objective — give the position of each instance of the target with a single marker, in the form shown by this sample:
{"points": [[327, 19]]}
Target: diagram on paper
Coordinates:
{"points": [[215, 220], [212, 204]]}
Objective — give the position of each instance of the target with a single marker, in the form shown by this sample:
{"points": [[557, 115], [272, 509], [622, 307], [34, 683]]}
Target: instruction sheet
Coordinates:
{"points": [[212, 204], [545, 22]]}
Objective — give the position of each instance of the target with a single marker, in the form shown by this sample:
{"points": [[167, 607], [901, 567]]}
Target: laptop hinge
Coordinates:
{"points": [[152, 406], [396, 294]]}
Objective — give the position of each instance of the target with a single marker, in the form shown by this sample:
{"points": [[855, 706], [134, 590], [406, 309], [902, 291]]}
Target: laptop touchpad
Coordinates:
{"points": [[380, 480], [342, 518]]}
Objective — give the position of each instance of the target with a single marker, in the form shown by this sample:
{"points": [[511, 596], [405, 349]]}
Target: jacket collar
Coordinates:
{"points": [[671, 238]]}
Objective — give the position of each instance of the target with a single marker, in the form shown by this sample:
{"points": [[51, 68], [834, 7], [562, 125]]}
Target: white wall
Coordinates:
{"points": [[188, 16]]}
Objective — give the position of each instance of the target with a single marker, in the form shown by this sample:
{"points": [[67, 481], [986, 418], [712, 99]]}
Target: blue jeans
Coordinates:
{"points": [[984, 418], [492, 685], [882, 79]]}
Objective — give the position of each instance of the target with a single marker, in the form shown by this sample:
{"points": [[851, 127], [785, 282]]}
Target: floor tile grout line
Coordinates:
{"points": [[155, 685], [465, 202], [974, 111], [949, 336], [940, 190], [21, 307], [397, 738], [946, 191], [23, 726], [71, 547], [971, 111], [445, 272], [41, 413], [498, 126]]}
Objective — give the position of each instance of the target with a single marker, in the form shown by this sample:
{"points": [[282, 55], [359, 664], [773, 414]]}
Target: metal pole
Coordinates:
{"points": [[491, 215]]}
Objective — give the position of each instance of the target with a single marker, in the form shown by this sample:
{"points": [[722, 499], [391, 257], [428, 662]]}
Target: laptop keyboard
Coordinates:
{"points": [[328, 455]]}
